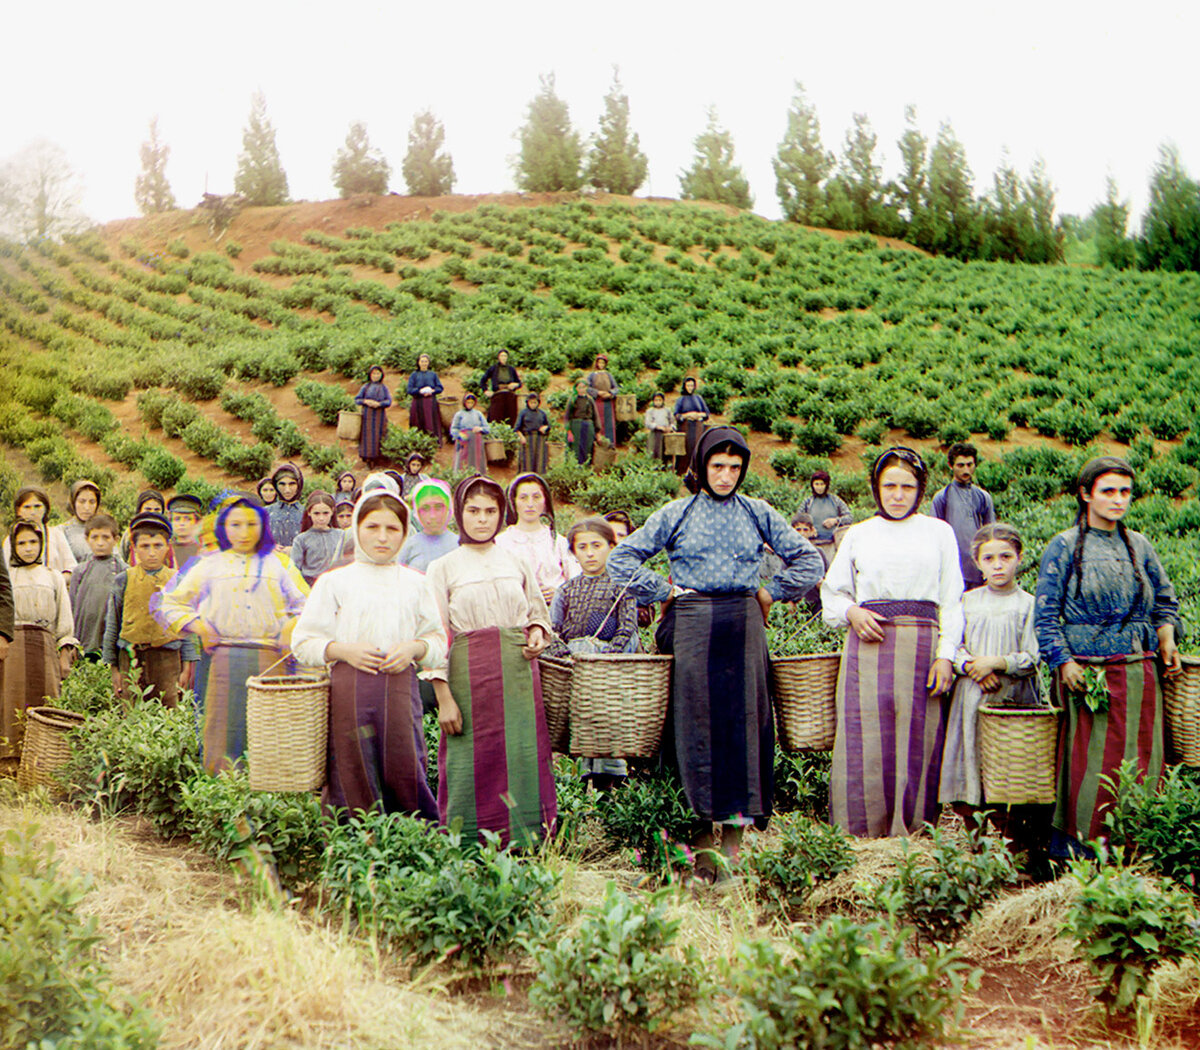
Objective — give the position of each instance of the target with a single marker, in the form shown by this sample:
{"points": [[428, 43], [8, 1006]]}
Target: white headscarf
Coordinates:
{"points": [[378, 485]]}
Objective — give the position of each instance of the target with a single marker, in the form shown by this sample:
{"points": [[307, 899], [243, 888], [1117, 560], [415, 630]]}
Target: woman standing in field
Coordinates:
{"points": [[533, 426], [604, 389], [424, 387], [494, 767], [828, 511], [895, 582], [83, 503], [468, 430], [531, 534], [1105, 611], [504, 382], [374, 398], [582, 417], [690, 414], [658, 424]]}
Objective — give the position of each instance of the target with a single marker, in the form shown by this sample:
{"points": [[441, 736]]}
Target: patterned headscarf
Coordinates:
{"points": [[461, 494], [902, 457]]}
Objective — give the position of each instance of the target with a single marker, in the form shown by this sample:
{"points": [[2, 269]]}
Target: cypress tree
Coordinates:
{"points": [[713, 175], [551, 152], [151, 191], [357, 168], [260, 177], [616, 162], [802, 164], [428, 169]]}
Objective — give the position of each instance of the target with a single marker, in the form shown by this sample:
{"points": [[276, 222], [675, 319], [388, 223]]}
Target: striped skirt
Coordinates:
{"points": [[496, 775], [719, 732], [221, 699], [374, 429], [424, 414], [469, 454], [607, 411], [30, 673], [376, 743], [534, 456], [1092, 746], [887, 753]]}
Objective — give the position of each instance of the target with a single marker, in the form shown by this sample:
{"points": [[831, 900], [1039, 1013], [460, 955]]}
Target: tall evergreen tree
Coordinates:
{"points": [[151, 191], [1045, 239], [713, 175], [1171, 226], [260, 177], [802, 164], [357, 168], [551, 154], [908, 193], [1007, 215], [428, 169], [954, 222], [856, 200], [616, 162], [1110, 219]]}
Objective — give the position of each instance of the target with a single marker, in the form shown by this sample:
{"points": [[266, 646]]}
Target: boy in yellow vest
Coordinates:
{"points": [[166, 661]]}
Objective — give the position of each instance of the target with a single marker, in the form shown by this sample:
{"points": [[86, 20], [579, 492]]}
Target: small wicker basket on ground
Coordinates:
{"points": [[625, 408], [495, 451], [805, 692], [448, 404], [603, 456], [287, 726], [674, 444], [556, 699], [1181, 703], [1017, 754], [349, 426], [47, 745], [618, 704]]}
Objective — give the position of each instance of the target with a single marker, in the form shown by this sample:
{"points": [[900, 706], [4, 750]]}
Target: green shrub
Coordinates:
{"points": [[323, 458], [619, 973], [537, 381], [401, 442], [233, 249], [178, 247], [782, 868], [1078, 424], [325, 399], [843, 986], [1168, 476], [151, 404], [650, 815], [759, 413], [784, 429], [1159, 823], [818, 438], [204, 437], [1126, 426], [161, 468], [278, 366], [176, 415], [125, 450], [198, 382], [87, 688], [802, 783], [246, 461], [290, 440]]}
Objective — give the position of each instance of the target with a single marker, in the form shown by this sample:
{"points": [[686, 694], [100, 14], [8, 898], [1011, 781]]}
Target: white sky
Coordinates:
{"points": [[1093, 88]]}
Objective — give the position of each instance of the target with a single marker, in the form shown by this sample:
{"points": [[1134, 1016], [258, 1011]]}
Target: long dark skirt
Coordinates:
{"points": [[654, 443], [376, 743], [607, 411], [887, 754], [692, 430], [502, 408], [720, 726], [30, 673], [534, 454], [221, 696], [424, 414], [469, 454], [583, 433], [1093, 745], [374, 429], [496, 775]]}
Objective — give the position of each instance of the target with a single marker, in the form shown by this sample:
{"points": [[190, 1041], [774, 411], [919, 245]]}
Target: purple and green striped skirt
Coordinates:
{"points": [[376, 745], [496, 775], [720, 725], [221, 699], [1092, 746], [469, 454], [887, 753]]}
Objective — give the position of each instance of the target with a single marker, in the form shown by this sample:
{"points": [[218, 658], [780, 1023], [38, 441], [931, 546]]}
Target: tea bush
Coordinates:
{"points": [[818, 438], [161, 468], [1160, 824], [781, 869], [401, 442], [619, 973], [325, 399], [247, 461], [650, 815]]}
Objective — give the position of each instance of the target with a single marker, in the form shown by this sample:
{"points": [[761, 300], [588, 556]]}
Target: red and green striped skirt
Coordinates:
{"points": [[469, 453], [221, 698], [496, 775], [1092, 745]]}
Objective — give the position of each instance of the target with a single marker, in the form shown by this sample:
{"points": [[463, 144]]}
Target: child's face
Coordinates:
{"points": [[380, 535], [86, 504], [243, 529], [805, 529], [346, 484], [184, 525], [151, 506], [531, 503], [267, 492], [480, 518], [151, 550], [620, 530], [27, 547], [998, 560], [345, 515], [591, 550], [101, 542], [321, 515], [32, 509], [434, 515], [288, 487]]}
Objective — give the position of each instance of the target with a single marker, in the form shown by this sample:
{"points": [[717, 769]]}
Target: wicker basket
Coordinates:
{"points": [[556, 699], [448, 404], [618, 704], [674, 444], [805, 692], [349, 426], [495, 451], [1016, 754], [287, 724], [1181, 701], [603, 457], [625, 408], [47, 745]]}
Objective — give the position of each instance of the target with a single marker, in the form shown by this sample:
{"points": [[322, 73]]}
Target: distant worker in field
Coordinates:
{"points": [[287, 512], [504, 382], [691, 413], [374, 398], [604, 389], [828, 512], [424, 387], [965, 507]]}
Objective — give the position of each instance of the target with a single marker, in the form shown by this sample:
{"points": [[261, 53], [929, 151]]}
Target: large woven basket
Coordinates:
{"points": [[603, 457], [349, 426], [674, 444], [1017, 754], [556, 699], [287, 725], [1181, 702], [805, 693], [625, 408], [618, 704], [495, 451], [47, 745], [448, 404]]}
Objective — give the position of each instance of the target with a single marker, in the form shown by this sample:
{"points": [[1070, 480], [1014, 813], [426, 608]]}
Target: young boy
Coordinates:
{"points": [[185, 513], [286, 513], [92, 582], [166, 661]]}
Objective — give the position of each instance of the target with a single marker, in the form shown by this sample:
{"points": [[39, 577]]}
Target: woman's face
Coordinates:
{"points": [[820, 486], [897, 491], [689, 386], [434, 515], [267, 491], [28, 546], [502, 357], [153, 505], [243, 529], [345, 515], [468, 403], [375, 375], [31, 508], [346, 484], [321, 515], [86, 504], [1108, 501], [530, 501], [591, 551], [481, 515], [415, 465], [288, 487], [423, 363], [381, 534], [581, 388], [620, 530]]}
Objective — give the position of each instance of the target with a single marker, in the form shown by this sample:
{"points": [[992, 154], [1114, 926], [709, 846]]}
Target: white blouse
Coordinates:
{"points": [[40, 600], [911, 560], [547, 553]]}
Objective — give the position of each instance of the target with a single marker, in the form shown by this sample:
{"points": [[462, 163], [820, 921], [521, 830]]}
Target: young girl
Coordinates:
{"points": [[431, 502], [467, 431], [531, 534], [375, 622], [83, 503], [658, 424], [43, 643], [414, 474], [242, 603], [590, 613], [494, 767], [343, 512], [346, 484], [319, 546], [996, 662], [266, 492], [31, 504], [374, 398]]}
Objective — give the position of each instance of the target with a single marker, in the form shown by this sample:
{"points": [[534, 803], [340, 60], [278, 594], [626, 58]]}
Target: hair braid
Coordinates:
{"points": [[1139, 579], [1077, 557]]}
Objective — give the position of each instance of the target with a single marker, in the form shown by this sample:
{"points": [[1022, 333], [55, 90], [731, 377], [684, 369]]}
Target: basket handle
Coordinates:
{"points": [[286, 655]]}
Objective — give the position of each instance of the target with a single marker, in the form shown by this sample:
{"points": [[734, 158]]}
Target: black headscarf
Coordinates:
{"points": [[294, 471], [462, 491], [904, 457], [20, 526], [710, 442]]}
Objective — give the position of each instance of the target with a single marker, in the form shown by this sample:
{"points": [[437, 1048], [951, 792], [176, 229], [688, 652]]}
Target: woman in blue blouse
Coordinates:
{"points": [[374, 398], [720, 732], [1104, 602], [690, 415], [424, 387]]}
